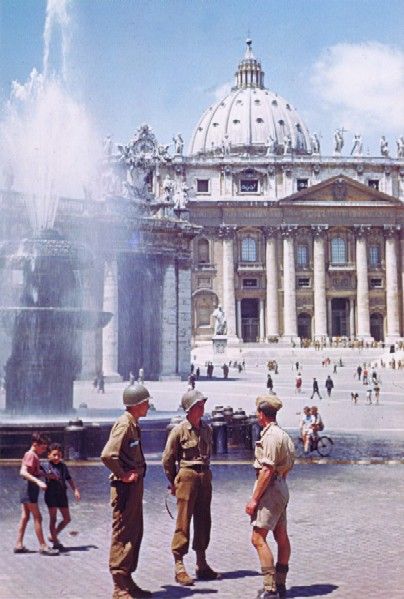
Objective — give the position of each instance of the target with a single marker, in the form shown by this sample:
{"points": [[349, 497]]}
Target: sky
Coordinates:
{"points": [[164, 62]]}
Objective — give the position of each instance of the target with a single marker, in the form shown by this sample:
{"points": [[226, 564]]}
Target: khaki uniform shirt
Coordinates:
{"points": [[275, 448], [187, 446], [123, 451]]}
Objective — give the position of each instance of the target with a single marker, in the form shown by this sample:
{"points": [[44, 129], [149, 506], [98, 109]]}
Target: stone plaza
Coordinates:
{"points": [[345, 514]]}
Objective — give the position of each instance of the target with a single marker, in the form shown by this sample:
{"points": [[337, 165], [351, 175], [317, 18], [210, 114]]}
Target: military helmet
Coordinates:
{"points": [[190, 398], [135, 394]]}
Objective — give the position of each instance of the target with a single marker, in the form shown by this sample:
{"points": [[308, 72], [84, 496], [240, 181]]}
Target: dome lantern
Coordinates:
{"points": [[249, 72]]}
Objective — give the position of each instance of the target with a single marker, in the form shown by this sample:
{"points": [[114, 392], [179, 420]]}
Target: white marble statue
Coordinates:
{"points": [[168, 188], [181, 196], [226, 145], [400, 147], [108, 146], [357, 147], [315, 143], [384, 146], [220, 321], [270, 143], [287, 144], [179, 144], [338, 141]]}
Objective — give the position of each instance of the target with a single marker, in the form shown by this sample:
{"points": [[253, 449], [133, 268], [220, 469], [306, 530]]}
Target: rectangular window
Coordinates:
{"points": [[376, 283], [303, 282], [250, 282], [373, 183], [202, 186], [302, 184], [302, 256], [248, 185], [374, 256]]}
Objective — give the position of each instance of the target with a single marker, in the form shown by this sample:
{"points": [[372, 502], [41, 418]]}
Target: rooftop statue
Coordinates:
{"points": [[287, 144], [270, 143], [168, 188], [357, 148], [226, 145], [108, 146], [384, 146], [179, 144], [181, 196], [315, 143], [339, 140], [400, 147]]}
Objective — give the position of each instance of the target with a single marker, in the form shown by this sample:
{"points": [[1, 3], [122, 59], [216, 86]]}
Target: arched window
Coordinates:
{"points": [[302, 255], [248, 250], [203, 251], [338, 251], [374, 256]]}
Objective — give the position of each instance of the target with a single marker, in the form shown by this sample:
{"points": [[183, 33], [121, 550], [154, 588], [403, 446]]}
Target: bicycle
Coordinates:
{"points": [[322, 444]]}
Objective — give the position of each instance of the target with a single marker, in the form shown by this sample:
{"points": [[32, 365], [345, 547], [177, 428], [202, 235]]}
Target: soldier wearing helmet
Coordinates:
{"points": [[123, 455], [186, 464]]}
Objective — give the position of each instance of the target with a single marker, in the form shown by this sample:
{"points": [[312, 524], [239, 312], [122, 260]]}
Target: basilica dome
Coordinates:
{"points": [[250, 119]]}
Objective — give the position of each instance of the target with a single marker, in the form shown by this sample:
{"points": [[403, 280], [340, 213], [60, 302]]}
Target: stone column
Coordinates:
{"points": [[392, 290], [320, 304], [272, 329], [110, 332], [262, 321], [184, 317], [229, 300], [239, 327], [352, 317], [289, 284], [169, 323], [362, 285], [329, 310]]}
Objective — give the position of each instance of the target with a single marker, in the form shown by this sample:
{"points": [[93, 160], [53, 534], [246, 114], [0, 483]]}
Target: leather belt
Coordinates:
{"points": [[198, 467]]}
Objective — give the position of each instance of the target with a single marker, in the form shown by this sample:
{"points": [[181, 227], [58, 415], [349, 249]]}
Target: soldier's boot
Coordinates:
{"points": [[203, 570], [181, 575], [121, 586], [281, 571], [269, 583]]}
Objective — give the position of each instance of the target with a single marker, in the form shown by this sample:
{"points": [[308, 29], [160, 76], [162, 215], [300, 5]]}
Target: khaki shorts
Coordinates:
{"points": [[271, 509]]}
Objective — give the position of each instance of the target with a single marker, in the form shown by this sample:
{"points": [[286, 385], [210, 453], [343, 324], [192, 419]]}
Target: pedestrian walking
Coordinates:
{"points": [[365, 376], [123, 455], [31, 472], [101, 383], [57, 475], [376, 389], [298, 383], [191, 381], [354, 397], [186, 463], [329, 385], [225, 371], [270, 383], [359, 371], [369, 390], [315, 389], [274, 458], [197, 372]]}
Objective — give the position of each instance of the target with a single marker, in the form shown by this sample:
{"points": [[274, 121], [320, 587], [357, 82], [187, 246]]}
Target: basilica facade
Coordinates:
{"points": [[293, 243]]}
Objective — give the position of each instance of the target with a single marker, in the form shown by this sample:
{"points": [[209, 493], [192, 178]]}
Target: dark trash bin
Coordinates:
{"points": [[75, 446], [219, 433], [238, 435]]}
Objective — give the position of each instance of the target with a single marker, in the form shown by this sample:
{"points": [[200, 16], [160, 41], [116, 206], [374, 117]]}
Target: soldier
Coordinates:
{"points": [[274, 457], [123, 455], [186, 463]]}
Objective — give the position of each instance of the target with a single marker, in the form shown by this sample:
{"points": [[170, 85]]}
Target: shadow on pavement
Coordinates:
{"points": [[313, 590], [179, 592], [66, 550], [239, 574]]}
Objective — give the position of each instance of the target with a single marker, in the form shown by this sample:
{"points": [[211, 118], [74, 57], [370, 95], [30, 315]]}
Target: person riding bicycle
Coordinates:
{"points": [[306, 428], [317, 423]]}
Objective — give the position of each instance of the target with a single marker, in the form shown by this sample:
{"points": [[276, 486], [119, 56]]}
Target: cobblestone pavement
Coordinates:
{"points": [[345, 524]]}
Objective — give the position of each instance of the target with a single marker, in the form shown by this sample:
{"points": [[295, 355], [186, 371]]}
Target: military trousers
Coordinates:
{"points": [[127, 526], [193, 490]]}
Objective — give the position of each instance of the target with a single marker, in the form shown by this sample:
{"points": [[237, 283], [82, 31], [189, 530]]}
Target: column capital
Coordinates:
{"points": [[226, 232], [390, 231], [362, 231], [288, 231], [269, 232], [319, 230]]}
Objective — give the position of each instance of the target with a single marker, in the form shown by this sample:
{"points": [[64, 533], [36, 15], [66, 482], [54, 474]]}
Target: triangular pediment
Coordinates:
{"points": [[340, 189]]}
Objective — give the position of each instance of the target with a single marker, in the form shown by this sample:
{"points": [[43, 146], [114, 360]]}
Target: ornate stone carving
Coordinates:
{"points": [[391, 230], [362, 230], [319, 230], [339, 190], [288, 230], [226, 232], [342, 282]]}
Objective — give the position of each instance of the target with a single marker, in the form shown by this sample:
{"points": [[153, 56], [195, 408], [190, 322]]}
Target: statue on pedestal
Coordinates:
{"points": [[339, 140], [384, 146], [179, 144], [357, 148], [315, 143], [220, 321], [400, 147]]}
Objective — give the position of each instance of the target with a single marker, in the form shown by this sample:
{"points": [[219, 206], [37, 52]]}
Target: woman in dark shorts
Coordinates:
{"points": [[58, 475]]}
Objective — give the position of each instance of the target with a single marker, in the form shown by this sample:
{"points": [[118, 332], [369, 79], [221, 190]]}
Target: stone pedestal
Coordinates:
{"points": [[219, 343]]}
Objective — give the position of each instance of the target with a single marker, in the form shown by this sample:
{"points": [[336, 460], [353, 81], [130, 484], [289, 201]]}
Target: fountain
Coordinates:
{"points": [[50, 149], [45, 355]]}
